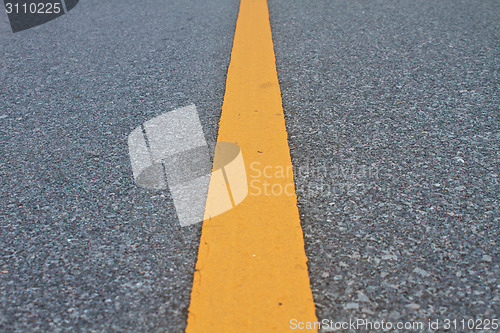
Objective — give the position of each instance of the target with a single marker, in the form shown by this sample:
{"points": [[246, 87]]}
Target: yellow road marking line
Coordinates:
{"points": [[251, 274]]}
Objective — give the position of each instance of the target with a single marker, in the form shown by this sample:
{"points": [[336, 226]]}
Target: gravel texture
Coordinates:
{"points": [[392, 109], [80, 245]]}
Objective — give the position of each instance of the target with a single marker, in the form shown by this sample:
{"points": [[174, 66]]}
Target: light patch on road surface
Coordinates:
{"points": [[170, 150]]}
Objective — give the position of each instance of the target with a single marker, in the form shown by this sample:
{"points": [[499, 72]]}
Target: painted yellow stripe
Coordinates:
{"points": [[251, 274]]}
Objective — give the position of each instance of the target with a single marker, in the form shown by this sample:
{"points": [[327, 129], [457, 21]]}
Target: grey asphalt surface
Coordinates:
{"points": [[81, 245], [392, 109]]}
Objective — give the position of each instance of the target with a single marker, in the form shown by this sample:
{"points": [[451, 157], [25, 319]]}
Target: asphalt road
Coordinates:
{"points": [[392, 111], [81, 244]]}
